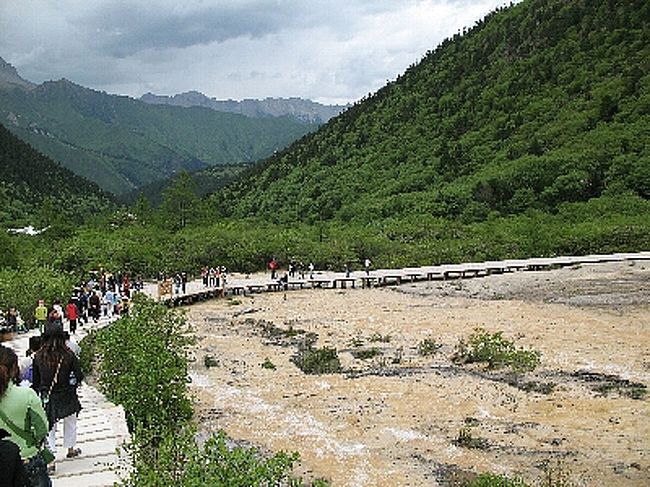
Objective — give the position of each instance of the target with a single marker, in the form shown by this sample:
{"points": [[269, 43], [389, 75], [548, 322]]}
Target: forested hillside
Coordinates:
{"points": [[34, 189], [122, 143], [537, 106]]}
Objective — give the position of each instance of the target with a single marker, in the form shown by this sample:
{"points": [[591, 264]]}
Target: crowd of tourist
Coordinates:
{"points": [[39, 391]]}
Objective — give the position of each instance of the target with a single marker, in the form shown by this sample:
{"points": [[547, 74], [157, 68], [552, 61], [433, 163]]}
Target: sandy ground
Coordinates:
{"points": [[393, 420]]}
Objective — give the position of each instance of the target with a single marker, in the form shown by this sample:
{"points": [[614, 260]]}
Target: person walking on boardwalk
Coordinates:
{"points": [[273, 266], [72, 312], [57, 374], [94, 306], [23, 417], [40, 315], [366, 265]]}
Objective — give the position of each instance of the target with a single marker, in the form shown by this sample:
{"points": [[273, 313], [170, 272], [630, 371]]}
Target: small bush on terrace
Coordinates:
{"points": [[428, 347], [317, 360], [492, 480], [496, 351]]}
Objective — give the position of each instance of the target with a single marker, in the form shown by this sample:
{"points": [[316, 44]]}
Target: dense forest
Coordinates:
{"points": [[36, 190], [526, 135], [539, 105]]}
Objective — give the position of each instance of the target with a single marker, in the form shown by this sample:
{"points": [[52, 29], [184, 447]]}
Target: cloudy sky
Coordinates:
{"points": [[332, 51]]}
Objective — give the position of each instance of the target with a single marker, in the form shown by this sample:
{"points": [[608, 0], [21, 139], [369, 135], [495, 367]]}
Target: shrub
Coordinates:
{"points": [[496, 351], [378, 337], [267, 364], [210, 361], [176, 459], [367, 353], [88, 352], [492, 480], [317, 360], [466, 439], [143, 365], [428, 347]]}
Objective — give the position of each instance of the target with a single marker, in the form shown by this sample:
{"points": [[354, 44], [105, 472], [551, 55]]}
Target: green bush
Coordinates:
{"points": [[267, 364], [491, 348], [23, 287], [317, 360], [428, 347], [176, 459], [492, 480], [143, 365], [367, 353]]}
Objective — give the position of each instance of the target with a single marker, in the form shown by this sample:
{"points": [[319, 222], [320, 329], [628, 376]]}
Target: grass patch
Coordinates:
{"points": [[466, 439], [493, 480]]}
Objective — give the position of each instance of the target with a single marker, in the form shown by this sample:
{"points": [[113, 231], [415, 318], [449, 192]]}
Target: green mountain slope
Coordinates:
{"points": [[538, 105], [122, 143], [33, 187]]}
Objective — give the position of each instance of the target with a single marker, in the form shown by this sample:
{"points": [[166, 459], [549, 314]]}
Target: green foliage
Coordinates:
{"points": [[175, 459], [143, 365], [539, 105], [378, 337], [493, 480], [23, 288], [267, 364], [210, 361], [428, 347], [367, 353], [317, 360], [36, 190], [494, 350], [89, 351]]}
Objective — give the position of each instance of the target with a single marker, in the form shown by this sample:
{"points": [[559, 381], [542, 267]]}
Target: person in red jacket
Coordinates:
{"points": [[72, 312]]}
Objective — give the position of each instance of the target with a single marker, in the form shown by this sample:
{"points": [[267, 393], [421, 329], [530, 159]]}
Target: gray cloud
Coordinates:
{"points": [[329, 50]]}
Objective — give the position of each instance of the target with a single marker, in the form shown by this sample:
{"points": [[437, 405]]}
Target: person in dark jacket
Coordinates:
{"points": [[56, 375], [12, 470]]}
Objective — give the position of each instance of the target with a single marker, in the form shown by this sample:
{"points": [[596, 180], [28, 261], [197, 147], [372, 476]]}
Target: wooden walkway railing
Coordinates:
{"points": [[242, 285]]}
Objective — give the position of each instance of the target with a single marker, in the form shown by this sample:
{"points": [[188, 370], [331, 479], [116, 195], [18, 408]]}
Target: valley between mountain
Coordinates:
{"points": [[399, 418]]}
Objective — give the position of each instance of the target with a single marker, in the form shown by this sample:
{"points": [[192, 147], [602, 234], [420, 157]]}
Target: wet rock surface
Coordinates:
{"points": [[394, 417]]}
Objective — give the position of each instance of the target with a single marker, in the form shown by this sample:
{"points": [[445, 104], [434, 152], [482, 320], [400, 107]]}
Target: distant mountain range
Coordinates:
{"points": [[299, 108], [123, 144]]}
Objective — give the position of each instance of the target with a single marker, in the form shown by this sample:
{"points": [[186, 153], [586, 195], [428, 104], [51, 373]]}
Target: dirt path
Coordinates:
{"points": [[395, 419]]}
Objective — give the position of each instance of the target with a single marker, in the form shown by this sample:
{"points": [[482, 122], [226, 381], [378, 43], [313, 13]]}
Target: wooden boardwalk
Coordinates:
{"points": [[247, 285], [101, 431]]}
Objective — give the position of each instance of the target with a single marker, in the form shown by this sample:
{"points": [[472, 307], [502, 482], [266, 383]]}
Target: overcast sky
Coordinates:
{"points": [[332, 51]]}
